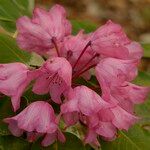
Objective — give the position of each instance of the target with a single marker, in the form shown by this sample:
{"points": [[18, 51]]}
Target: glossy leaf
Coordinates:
{"points": [[135, 139], [11, 10], [9, 51], [5, 111]]}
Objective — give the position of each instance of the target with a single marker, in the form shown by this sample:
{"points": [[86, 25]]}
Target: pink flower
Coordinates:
{"points": [[35, 122], [112, 72], [119, 117], [73, 47], [54, 77], [135, 50], [110, 40], [122, 119], [44, 30], [82, 100], [129, 94], [14, 78], [77, 50]]}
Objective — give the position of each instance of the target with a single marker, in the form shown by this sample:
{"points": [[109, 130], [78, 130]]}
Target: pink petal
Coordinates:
{"points": [[55, 76], [31, 119], [106, 129], [91, 138], [89, 101], [113, 72], [13, 81], [35, 34], [122, 119], [110, 40], [49, 139]]}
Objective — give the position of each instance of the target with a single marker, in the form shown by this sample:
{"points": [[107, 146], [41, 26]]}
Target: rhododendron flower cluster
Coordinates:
{"points": [[101, 108]]}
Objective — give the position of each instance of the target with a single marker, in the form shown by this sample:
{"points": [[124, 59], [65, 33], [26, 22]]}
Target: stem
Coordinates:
{"points": [[85, 48], [79, 73], [56, 46], [96, 55]]}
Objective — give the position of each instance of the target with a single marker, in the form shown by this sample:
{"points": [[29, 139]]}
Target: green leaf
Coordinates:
{"points": [[72, 143], [85, 25], [13, 143], [9, 51], [11, 10], [5, 111], [143, 78], [135, 139], [146, 47]]}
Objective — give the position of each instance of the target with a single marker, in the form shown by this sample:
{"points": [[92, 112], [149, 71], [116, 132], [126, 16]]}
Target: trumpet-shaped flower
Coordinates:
{"points": [[44, 30], [14, 78], [36, 122], [54, 77]]}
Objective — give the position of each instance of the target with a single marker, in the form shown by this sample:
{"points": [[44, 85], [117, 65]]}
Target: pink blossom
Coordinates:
{"points": [[122, 119], [35, 122], [73, 47], [129, 94], [110, 40], [112, 72], [77, 50], [119, 117], [102, 126], [39, 33], [14, 78], [54, 77], [82, 100]]}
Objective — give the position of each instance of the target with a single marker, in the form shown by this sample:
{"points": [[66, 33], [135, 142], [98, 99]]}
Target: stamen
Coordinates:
{"points": [[85, 48], [96, 55], [55, 79], [56, 46], [79, 73]]}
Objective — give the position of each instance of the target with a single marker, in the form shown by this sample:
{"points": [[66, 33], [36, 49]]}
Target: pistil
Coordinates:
{"points": [[79, 73], [83, 51]]}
